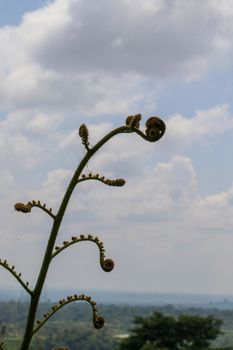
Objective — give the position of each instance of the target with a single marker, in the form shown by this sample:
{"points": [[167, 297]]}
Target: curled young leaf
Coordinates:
{"points": [[26, 208], [22, 207], [155, 129], [108, 265], [98, 322], [116, 182]]}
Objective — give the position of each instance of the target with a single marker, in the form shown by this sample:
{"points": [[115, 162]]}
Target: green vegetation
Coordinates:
{"points": [[72, 326], [160, 331]]}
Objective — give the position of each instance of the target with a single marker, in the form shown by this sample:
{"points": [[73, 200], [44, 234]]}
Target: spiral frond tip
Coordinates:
{"points": [[155, 129], [23, 208], [108, 265], [98, 322]]}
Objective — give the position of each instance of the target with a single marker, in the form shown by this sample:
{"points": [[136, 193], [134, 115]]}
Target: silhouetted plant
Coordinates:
{"points": [[155, 129]]}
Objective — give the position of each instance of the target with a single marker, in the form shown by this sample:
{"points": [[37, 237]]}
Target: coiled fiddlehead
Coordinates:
{"points": [[98, 321], [26, 208], [155, 127], [116, 182], [106, 264]]}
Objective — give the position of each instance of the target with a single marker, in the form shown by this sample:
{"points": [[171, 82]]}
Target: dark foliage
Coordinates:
{"points": [[160, 331]]}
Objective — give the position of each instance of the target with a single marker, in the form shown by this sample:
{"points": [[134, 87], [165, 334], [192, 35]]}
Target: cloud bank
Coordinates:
{"points": [[69, 63]]}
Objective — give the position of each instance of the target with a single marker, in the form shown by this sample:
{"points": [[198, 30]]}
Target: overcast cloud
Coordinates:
{"points": [[69, 63]]}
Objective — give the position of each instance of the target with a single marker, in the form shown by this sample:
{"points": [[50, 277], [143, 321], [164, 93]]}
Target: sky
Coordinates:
{"points": [[68, 62]]}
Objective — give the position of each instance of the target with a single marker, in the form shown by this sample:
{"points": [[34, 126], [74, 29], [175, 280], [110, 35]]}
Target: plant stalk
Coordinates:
{"points": [[35, 297]]}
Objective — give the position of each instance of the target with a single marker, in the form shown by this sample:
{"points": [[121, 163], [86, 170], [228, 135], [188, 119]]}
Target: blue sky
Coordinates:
{"points": [[65, 62], [11, 12]]}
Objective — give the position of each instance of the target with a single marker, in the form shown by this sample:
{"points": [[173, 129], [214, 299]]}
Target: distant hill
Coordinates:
{"points": [[130, 298]]}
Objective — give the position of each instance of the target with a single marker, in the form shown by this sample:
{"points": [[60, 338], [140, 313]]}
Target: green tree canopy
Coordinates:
{"points": [[162, 332]]}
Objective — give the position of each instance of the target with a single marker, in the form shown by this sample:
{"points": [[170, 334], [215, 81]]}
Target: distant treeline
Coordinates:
{"points": [[72, 325]]}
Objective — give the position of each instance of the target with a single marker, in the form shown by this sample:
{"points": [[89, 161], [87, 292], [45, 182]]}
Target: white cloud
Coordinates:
{"points": [[43, 123], [206, 123], [166, 191], [26, 136], [53, 188], [72, 61], [159, 214], [73, 57], [150, 44]]}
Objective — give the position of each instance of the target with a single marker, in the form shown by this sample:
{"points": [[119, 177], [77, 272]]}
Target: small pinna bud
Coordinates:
{"points": [[134, 120], [84, 134]]}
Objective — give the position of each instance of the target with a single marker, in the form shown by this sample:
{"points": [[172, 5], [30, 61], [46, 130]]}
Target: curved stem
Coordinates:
{"points": [[54, 231], [26, 208], [16, 275], [64, 302], [43, 207], [116, 182], [106, 264]]}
